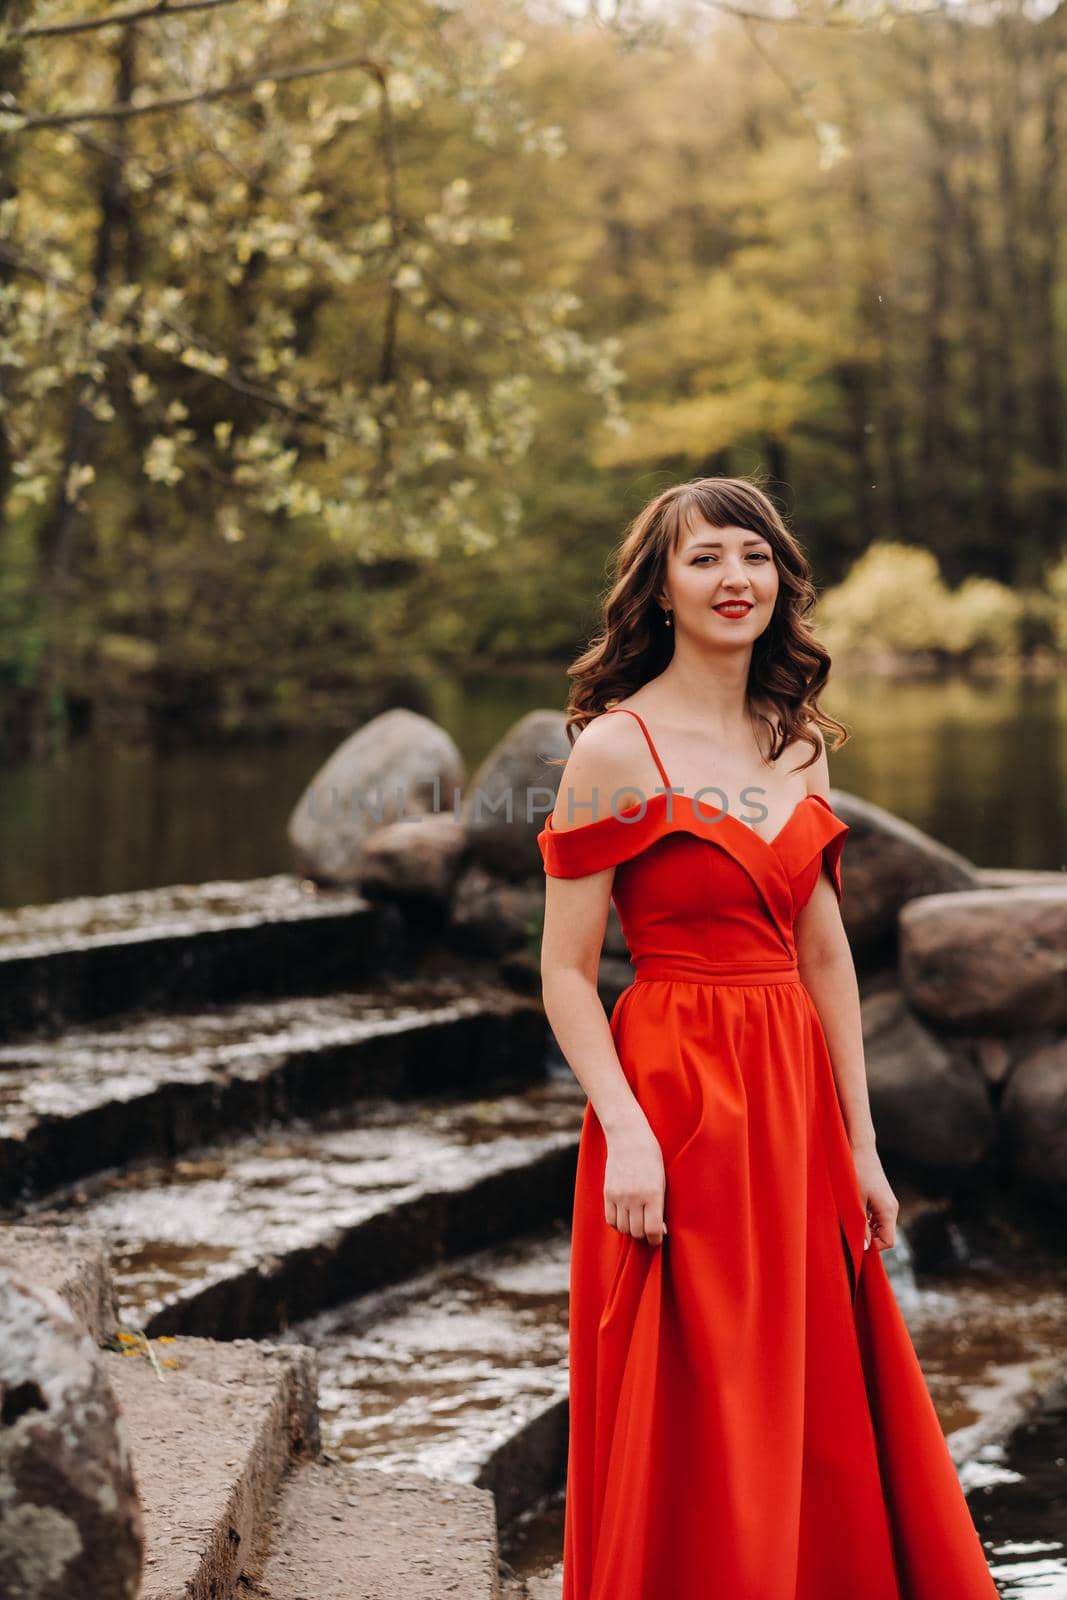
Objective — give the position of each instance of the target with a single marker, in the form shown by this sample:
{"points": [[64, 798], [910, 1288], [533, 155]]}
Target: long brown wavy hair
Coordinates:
{"points": [[789, 666]]}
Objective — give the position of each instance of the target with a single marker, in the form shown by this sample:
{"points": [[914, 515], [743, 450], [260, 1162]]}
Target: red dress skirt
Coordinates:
{"points": [[748, 1417]]}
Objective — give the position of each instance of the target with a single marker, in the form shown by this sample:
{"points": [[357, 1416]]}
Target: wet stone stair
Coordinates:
{"points": [[460, 1372], [268, 1109], [101, 1096], [240, 1237], [89, 957]]}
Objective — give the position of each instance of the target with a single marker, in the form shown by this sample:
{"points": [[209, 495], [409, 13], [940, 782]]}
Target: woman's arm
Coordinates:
{"points": [[576, 913], [828, 973]]}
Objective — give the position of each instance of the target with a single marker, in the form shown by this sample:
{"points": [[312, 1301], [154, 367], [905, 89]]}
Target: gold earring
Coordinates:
{"points": [[667, 618]]}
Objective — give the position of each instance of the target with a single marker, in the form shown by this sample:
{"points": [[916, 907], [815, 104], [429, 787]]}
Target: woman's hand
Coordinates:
{"points": [[634, 1183], [878, 1198]]}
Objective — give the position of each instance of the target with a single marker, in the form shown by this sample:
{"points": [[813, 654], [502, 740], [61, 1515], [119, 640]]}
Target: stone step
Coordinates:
{"points": [[342, 1532], [71, 1262], [102, 1096], [210, 1442], [547, 1587], [460, 1373], [238, 1239], [531, 1550], [542, 1586], [187, 945]]}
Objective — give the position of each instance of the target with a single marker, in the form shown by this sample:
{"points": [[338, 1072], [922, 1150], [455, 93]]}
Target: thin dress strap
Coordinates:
{"points": [[648, 736]]}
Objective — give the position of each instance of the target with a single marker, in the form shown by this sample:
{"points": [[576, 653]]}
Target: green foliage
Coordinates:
{"points": [[1057, 587], [895, 600]]}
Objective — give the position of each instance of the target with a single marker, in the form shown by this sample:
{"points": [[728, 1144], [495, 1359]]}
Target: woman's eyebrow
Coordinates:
{"points": [[716, 544]]}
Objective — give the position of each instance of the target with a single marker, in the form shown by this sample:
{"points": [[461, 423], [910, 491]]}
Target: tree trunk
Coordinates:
{"points": [[58, 532], [938, 513], [874, 414], [1046, 225], [988, 510], [1009, 329], [14, 14]]}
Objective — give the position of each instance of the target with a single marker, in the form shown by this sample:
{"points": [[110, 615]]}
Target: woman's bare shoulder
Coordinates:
{"points": [[604, 758]]}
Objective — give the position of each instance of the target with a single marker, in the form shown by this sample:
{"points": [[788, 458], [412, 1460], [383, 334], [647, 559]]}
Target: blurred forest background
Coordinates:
{"points": [[339, 339]]}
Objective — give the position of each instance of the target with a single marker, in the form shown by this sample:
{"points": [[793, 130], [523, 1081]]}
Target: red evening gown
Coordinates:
{"points": [[748, 1417]]}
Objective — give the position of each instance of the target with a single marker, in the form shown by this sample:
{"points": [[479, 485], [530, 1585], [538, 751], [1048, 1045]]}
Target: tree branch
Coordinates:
{"points": [[230, 379], [116, 113], [118, 19]]}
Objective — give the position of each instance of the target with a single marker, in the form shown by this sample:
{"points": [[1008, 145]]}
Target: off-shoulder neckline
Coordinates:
{"points": [[623, 817]]}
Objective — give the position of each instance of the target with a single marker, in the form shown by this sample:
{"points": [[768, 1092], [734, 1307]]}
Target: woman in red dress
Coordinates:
{"points": [[748, 1418]]}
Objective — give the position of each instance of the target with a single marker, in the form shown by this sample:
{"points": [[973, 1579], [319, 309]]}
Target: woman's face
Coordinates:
{"points": [[721, 583]]}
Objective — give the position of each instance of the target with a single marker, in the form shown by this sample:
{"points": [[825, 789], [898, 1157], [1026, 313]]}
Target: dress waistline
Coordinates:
{"points": [[654, 969]]}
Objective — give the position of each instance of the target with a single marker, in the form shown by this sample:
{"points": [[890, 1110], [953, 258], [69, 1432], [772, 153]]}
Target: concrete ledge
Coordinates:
{"points": [[524, 1195], [106, 1096], [341, 1532], [545, 1588], [240, 1239], [531, 1463], [211, 1443], [458, 1374], [82, 959], [73, 1263], [540, 1586]]}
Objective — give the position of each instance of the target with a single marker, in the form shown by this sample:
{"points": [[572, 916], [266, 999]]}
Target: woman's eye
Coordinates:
{"points": [[753, 555]]}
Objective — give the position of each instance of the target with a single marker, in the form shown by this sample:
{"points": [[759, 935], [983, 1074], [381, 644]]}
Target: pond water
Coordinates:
{"points": [[980, 765]]}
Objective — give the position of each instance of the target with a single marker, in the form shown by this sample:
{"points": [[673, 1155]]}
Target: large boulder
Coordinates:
{"points": [[931, 1109], [70, 1517], [492, 917], [1034, 1115], [512, 793], [988, 959], [886, 863], [398, 765], [417, 860], [996, 1055]]}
